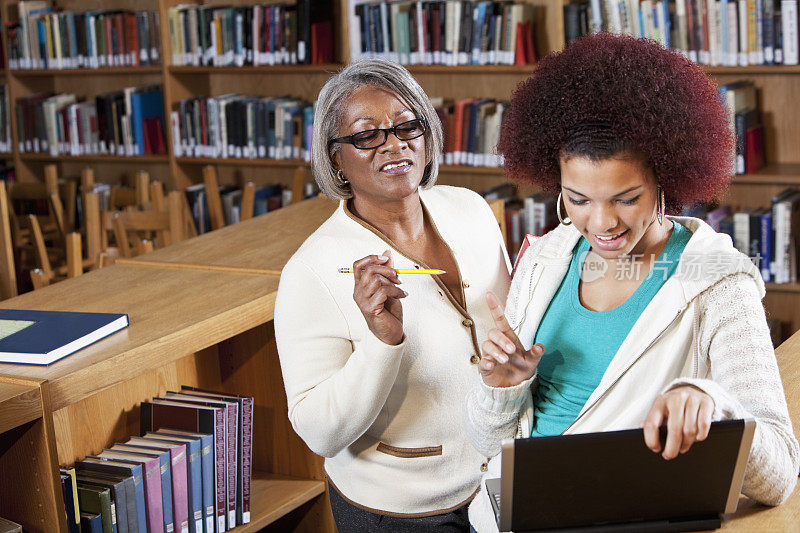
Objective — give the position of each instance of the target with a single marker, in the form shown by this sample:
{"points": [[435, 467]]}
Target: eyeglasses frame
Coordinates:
{"points": [[348, 139]]}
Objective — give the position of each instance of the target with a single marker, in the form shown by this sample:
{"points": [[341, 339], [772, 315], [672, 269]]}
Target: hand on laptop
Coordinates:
{"points": [[505, 362], [688, 412]]}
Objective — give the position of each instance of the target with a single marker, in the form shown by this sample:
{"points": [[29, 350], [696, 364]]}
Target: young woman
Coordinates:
{"points": [[624, 316]]}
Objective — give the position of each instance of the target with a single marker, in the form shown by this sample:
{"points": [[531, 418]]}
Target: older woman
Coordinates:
{"points": [[624, 317], [377, 364]]}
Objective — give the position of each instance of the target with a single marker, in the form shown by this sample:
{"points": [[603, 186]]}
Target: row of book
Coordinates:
{"points": [[709, 32], [190, 472], [443, 32], [471, 130], [239, 126], [768, 235], [267, 198], [744, 115], [46, 38], [123, 123], [5, 120], [272, 34]]}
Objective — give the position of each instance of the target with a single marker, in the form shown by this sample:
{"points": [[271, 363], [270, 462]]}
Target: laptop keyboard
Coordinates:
{"points": [[496, 497]]}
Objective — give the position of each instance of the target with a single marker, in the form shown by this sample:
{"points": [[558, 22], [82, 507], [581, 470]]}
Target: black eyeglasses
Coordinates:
{"points": [[369, 139]]}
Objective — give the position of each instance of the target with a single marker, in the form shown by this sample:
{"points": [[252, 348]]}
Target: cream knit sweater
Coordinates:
{"points": [[388, 418], [705, 327]]}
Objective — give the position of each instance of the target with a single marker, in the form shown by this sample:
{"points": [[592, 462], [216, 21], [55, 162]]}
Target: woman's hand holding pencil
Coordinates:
{"points": [[378, 297]]}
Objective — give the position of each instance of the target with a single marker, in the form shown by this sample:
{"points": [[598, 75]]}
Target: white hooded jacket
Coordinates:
{"points": [[705, 327]]}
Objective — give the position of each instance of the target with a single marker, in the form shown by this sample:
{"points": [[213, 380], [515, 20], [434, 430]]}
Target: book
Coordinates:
{"points": [[96, 465], [194, 475], [73, 520], [178, 464], [98, 500], [165, 474], [73, 510], [127, 513], [91, 523], [158, 414], [230, 420], [151, 474], [43, 337], [207, 469], [244, 445], [117, 493]]}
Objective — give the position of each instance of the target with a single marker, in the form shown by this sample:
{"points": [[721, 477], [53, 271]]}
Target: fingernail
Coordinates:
{"points": [[502, 358], [405, 293], [510, 348], [382, 258]]}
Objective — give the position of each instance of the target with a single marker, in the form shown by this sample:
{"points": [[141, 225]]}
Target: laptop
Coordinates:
{"points": [[611, 481]]}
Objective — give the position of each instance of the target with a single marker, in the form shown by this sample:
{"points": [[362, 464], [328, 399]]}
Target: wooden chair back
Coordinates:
{"points": [[212, 196], [498, 207], [248, 201], [8, 272], [133, 229], [298, 184]]}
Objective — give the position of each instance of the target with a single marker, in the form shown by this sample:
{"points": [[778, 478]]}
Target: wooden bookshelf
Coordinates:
{"points": [[274, 497], [188, 325]]}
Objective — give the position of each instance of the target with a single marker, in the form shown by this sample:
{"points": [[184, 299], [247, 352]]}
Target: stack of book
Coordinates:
{"points": [[189, 472], [273, 34], [471, 130], [124, 123], [767, 235], [745, 120], [266, 198], [443, 32], [245, 127], [5, 120], [43, 38], [714, 32]]}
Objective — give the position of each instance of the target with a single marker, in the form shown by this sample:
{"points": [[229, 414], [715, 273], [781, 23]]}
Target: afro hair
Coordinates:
{"points": [[608, 95]]}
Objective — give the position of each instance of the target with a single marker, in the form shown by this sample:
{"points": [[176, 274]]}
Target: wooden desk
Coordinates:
{"points": [[259, 243], [171, 312], [187, 327], [751, 516]]}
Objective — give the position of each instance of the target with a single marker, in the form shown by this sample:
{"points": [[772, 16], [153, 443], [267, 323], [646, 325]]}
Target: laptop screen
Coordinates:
{"points": [[612, 477]]}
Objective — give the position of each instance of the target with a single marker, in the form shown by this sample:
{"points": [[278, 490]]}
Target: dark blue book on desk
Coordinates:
{"points": [[43, 337]]}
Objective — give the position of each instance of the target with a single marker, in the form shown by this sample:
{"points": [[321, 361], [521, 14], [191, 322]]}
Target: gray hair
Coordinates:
{"points": [[329, 114]]}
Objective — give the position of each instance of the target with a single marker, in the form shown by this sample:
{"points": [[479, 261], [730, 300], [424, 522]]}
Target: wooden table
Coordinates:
{"points": [[258, 244]]}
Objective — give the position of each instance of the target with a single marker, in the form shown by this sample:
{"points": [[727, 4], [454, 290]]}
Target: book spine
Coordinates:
{"points": [[209, 482], [219, 468], [180, 490], [247, 455], [233, 445]]}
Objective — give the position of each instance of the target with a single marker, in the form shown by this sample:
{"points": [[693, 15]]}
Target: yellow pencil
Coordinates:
{"points": [[401, 271]]}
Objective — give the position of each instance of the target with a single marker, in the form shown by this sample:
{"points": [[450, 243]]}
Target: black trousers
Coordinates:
{"points": [[351, 519]]}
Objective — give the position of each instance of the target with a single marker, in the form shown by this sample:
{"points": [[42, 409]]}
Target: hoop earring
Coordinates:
{"points": [[341, 179], [564, 221], [660, 205]]}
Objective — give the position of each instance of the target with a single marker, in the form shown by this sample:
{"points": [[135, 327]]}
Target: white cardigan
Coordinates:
{"points": [[388, 418], [705, 327]]}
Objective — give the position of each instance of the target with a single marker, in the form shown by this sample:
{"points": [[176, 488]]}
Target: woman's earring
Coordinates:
{"points": [[341, 179], [660, 205], [564, 221]]}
